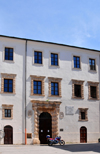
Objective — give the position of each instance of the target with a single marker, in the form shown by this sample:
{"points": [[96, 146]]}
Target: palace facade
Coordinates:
{"points": [[48, 89]]}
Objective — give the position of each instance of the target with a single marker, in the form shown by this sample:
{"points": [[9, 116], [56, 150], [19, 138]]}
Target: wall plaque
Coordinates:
{"points": [[30, 113], [61, 115], [69, 110]]}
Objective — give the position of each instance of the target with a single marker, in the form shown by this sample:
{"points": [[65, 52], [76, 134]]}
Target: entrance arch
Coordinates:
{"points": [[45, 127], [8, 139], [83, 134]]}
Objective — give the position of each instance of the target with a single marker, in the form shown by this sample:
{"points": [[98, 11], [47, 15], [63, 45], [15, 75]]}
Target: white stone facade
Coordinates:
{"points": [[69, 112]]}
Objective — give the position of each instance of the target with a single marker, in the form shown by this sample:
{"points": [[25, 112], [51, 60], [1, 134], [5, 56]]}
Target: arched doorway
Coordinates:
{"points": [[45, 126], [8, 139], [83, 134]]}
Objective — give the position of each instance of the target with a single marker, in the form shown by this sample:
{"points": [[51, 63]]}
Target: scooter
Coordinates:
{"points": [[56, 140]]}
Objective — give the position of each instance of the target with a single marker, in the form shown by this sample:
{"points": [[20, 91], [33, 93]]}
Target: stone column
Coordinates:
{"points": [[36, 127]]}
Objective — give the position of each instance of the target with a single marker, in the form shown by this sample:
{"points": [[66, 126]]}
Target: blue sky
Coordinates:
{"points": [[71, 22]]}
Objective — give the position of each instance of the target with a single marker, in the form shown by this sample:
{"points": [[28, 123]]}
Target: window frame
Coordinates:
{"points": [[37, 86], [95, 65], [54, 88], [37, 78], [38, 64], [95, 84], [77, 82], [8, 85], [9, 61], [85, 110], [8, 76], [73, 62], [7, 113], [57, 53], [8, 107], [56, 80]]}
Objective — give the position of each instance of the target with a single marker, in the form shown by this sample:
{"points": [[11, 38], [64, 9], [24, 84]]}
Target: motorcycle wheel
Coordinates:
{"points": [[50, 143], [62, 142]]}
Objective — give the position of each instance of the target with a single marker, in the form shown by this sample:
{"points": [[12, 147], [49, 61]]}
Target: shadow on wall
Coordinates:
{"points": [[95, 147]]}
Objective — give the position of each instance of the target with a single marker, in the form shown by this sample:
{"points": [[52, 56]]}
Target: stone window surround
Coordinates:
{"points": [[96, 84], [7, 76], [10, 61], [5, 106], [37, 50], [83, 110], [58, 59], [73, 62], [37, 78], [78, 82], [58, 80]]}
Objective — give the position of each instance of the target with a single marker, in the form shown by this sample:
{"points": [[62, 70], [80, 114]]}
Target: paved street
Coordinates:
{"points": [[56, 149]]}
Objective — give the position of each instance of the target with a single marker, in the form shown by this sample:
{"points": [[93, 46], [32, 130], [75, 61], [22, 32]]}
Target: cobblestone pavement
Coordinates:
{"points": [[93, 148]]}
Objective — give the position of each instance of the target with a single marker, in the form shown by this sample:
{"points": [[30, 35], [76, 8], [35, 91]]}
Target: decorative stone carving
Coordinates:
{"points": [[58, 80], [52, 107], [61, 115], [30, 113], [69, 110]]}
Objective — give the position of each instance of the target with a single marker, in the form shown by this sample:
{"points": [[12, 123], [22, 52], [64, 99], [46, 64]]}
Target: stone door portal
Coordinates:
{"points": [[45, 119], [45, 127]]}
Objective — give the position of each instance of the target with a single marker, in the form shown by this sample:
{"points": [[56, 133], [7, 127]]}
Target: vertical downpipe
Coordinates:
{"points": [[99, 92], [25, 89]]}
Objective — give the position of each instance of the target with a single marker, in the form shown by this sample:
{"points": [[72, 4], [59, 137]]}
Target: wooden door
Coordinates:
{"points": [[83, 135], [44, 127], [8, 139]]}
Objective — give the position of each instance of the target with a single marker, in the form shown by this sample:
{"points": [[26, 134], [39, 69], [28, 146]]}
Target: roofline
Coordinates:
{"points": [[12, 37]]}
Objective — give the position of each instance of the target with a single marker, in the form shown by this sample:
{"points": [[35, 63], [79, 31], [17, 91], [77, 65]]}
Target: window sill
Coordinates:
{"points": [[77, 97], [94, 99], [54, 96], [37, 64], [37, 95], [94, 71], [55, 66], [7, 93], [74, 68], [5, 118], [83, 120], [8, 61]]}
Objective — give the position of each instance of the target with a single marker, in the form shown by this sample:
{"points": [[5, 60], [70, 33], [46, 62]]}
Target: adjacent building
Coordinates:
{"points": [[48, 89]]}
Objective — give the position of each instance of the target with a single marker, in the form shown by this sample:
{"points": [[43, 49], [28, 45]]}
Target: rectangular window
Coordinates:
{"points": [[83, 115], [92, 64], [37, 57], [8, 53], [54, 59], [37, 87], [76, 62], [93, 91], [54, 88], [8, 85], [7, 112], [77, 90]]}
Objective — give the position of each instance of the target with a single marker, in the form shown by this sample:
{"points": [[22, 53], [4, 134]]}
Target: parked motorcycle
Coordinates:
{"points": [[56, 140]]}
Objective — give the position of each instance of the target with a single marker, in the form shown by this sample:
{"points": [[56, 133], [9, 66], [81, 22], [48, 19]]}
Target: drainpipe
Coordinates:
{"points": [[25, 89]]}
